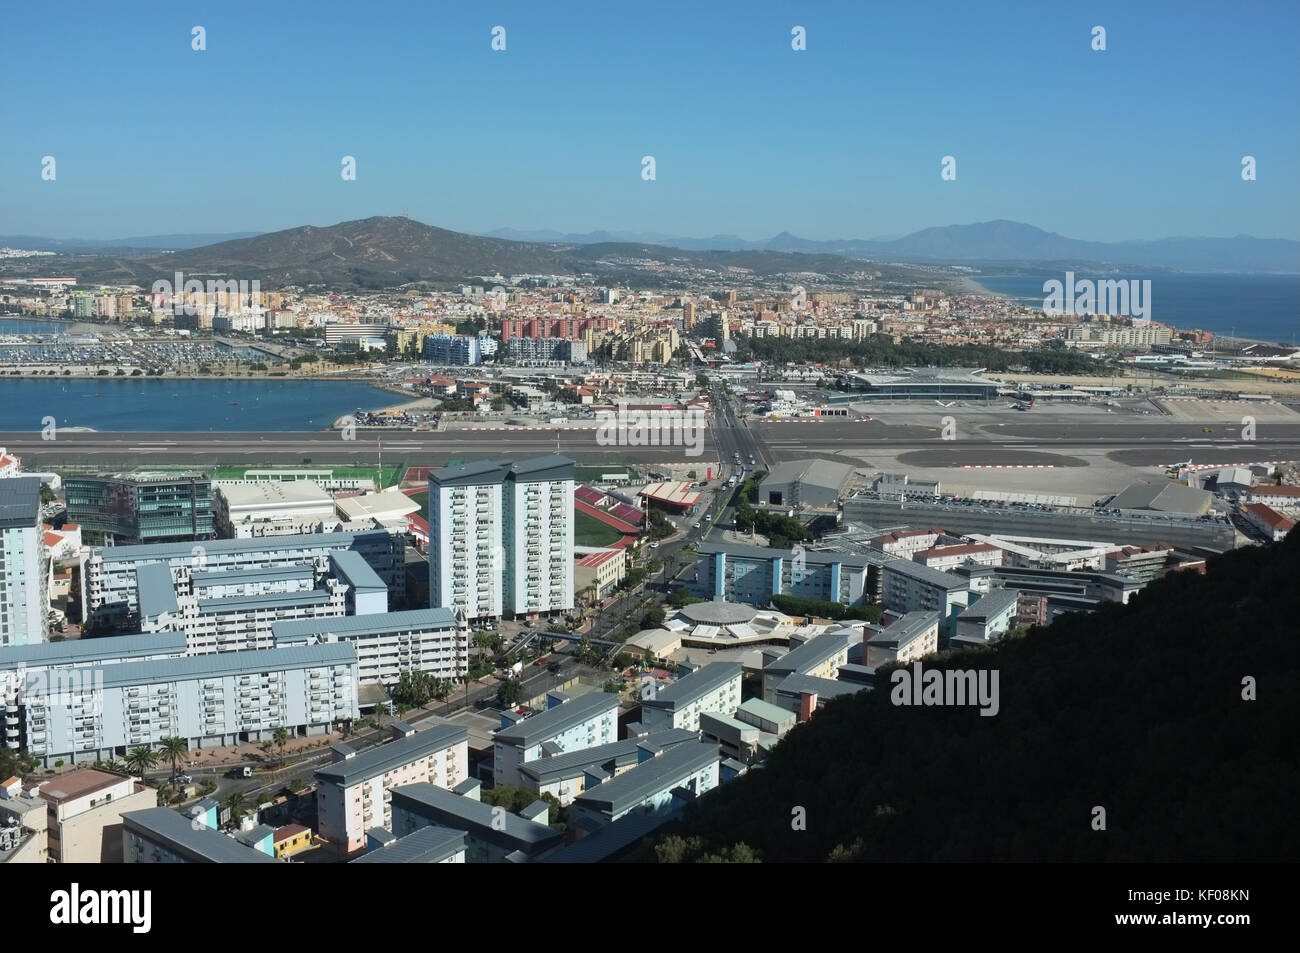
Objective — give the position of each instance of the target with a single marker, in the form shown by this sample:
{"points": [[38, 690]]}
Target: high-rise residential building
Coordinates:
{"points": [[688, 315], [24, 602], [466, 557], [141, 507], [501, 537], [458, 348], [538, 536]]}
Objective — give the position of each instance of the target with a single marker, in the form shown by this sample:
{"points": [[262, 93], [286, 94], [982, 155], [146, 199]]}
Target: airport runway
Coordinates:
{"points": [[982, 442]]}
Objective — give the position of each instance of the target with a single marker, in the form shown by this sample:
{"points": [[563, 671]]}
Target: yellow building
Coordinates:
{"points": [[291, 839]]}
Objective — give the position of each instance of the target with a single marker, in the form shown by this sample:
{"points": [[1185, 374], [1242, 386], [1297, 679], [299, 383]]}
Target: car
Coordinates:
{"points": [[696, 526], [654, 544]]}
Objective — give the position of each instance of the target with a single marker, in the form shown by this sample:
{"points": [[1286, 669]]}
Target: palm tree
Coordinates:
{"points": [[235, 802], [174, 749], [281, 738], [139, 760]]}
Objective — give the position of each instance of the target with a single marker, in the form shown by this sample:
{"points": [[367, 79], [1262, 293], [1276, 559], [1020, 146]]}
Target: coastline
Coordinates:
{"points": [[975, 288]]}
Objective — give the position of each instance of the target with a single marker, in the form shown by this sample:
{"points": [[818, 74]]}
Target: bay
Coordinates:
{"points": [[162, 405], [1254, 307]]}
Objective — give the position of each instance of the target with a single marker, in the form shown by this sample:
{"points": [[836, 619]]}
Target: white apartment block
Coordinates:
{"points": [[111, 590], [49, 667], [501, 537], [913, 636], [905, 545], [567, 725], [99, 712], [944, 558], [435, 641], [648, 788], [910, 587], [713, 688], [819, 657], [354, 794], [235, 622], [24, 580]]}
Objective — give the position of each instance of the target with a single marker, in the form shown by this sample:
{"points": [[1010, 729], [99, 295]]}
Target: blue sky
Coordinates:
{"points": [[843, 140]]}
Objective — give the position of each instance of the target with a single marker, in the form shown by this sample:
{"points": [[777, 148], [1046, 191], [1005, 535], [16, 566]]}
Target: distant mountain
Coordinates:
{"points": [[383, 252], [997, 242], [140, 243]]}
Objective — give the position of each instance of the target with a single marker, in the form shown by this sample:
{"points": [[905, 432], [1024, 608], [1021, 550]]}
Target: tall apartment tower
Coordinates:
{"points": [[23, 573], [538, 534], [688, 315], [466, 557], [501, 537]]}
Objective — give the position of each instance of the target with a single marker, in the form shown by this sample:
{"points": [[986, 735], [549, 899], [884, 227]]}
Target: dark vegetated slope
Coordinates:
{"points": [[1137, 709]]}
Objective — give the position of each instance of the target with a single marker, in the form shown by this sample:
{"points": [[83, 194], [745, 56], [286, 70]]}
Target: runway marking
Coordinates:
{"points": [[1220, 466]]}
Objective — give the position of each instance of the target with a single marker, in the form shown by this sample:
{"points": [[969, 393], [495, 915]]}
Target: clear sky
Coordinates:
{"points": [[842, 140]]}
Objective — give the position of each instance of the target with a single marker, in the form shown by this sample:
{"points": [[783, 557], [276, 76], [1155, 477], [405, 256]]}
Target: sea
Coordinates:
{"points": [[29, 325], [159, 405], [1251, 307]]}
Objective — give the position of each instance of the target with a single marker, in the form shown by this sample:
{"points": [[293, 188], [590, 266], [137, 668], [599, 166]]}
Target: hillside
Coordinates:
{"points": [[384, 252], [1136, 708]]}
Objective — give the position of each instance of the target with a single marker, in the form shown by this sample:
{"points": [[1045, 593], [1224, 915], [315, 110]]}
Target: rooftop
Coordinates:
{"points": [[221, 664], [923, 573], [356, 572], [77, 784], [545, 725], [173, 830], [20, 502], [622, 753], [648, 778], [703, 680], [394, 754], [155, 590], [809, 655], [717, 612], [74, 651], [300, 630], [428, 845], [482, 820], [318, 542]]}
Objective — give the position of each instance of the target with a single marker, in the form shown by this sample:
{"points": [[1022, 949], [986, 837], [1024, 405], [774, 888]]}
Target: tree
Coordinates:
{"points": [[510, 692], [654, 618], [234, 801], [174, 749], [280, 737], [140, 760]]}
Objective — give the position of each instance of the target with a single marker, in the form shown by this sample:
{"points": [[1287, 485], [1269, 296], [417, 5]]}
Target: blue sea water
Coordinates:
{"points": [[28, 325], [1256, 307], [160, 405]]}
